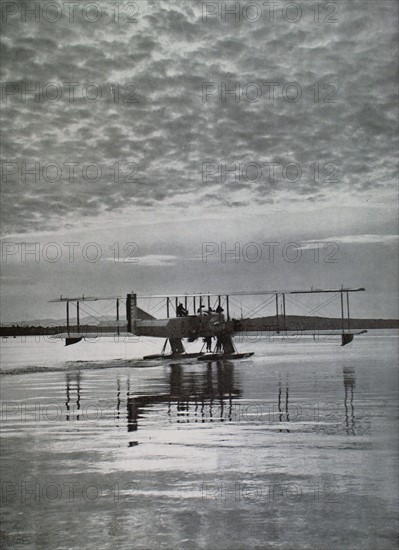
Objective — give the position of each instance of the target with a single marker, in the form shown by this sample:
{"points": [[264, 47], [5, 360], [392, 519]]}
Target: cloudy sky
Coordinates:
{"points": [[157, 135]]}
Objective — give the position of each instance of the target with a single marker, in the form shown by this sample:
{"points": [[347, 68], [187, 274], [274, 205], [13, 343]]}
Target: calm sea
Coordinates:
{"points": [[296, 447]]}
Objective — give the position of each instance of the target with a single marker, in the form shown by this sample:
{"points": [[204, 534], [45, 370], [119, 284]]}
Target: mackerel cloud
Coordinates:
{"points": [[163, 136]]}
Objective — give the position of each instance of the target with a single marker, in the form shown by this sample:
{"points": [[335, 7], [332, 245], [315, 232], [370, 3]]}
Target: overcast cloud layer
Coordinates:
{"points": [[176, 139]]}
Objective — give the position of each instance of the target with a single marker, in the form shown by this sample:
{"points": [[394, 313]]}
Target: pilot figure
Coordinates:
{"points": [[181, 311]]}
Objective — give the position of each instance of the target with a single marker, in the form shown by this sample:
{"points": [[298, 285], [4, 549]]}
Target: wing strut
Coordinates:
{"points": [[284, 314], [347, 305], [342, 312], [277, 319]]}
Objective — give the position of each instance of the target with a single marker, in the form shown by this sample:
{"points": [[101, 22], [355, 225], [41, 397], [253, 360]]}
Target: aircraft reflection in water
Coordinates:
{"points": [[199, 397], [209, 395], [72, 384], [349, 386], [329, 411], [284, 414]]}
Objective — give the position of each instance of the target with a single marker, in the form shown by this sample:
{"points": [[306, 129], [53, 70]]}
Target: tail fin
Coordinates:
{"points": [[143, 315]]}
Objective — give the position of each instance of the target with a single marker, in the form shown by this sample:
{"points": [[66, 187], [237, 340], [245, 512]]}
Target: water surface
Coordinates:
{"points": [[295, 447]]}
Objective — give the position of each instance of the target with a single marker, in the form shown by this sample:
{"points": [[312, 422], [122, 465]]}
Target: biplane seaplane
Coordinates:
{"points": [[194, 316]]}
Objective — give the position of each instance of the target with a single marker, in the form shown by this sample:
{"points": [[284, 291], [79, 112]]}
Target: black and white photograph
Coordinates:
{"points": [[199, 275]]}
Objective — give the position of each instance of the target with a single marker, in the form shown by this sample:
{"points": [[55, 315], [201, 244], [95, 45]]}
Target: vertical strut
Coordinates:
{"points": [[117, 315], [227, 307], [342, 312], [77, 316], [284, 323], [67, 316], [277, 316], [167, 308], [347, 306]]}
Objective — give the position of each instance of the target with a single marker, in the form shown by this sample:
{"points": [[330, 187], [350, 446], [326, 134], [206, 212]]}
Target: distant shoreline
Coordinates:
{"points": [[295, 323]]}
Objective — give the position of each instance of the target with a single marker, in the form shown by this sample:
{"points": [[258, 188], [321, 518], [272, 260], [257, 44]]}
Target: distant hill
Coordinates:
{"points": [[299, 322], [100, 320], [107, 323], [60, 322]]}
